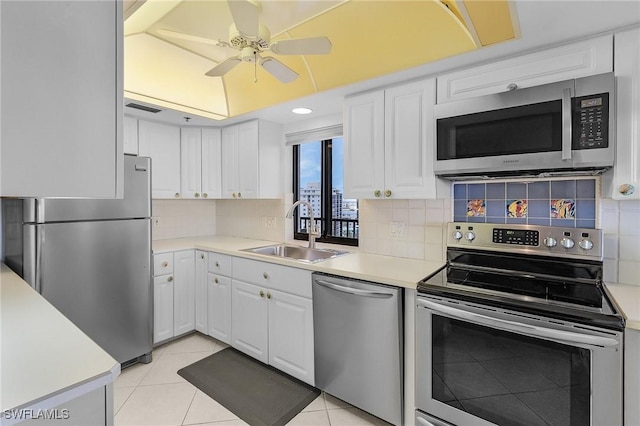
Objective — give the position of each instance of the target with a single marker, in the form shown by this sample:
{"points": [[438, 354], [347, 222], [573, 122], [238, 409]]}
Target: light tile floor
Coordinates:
{"points": [[154, 394]]}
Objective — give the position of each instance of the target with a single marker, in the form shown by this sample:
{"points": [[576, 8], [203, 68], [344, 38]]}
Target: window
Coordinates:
{"points": [[318, 179]]}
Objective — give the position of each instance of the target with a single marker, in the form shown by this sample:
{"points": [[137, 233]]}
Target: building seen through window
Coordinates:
{"points": [[318, 179]]}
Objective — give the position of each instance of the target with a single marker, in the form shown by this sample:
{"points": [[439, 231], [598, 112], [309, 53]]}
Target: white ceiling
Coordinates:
{"points": [[541, 23]]}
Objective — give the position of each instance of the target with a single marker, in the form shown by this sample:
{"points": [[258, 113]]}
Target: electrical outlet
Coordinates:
{"points": [[397, 229], [156, 221]]}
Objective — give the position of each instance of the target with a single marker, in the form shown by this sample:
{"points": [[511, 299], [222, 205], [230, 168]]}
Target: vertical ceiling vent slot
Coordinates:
{"points": [[143, 108]]}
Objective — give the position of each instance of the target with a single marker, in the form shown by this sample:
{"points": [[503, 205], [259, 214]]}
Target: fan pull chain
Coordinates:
{"points": [[255, 67]]}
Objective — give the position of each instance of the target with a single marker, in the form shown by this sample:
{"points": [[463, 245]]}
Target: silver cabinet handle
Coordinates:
{"points": [[566, 124], [566, 337], [265, 275], [165, 264], [170, 278], [354, 291], [202, 256], [197, 195], [177, 195], [217, 264], [215, 280], [205, 195]]}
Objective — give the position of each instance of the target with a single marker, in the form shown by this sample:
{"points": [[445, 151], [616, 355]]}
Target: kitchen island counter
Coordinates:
{"points": [[395, 271], [46, 361]]}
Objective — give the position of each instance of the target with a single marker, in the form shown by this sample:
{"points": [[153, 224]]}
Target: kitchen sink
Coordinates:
{"points": [[303, 254]]}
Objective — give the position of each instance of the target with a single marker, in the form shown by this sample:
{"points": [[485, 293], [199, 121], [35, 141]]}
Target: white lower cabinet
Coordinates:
{"points": [[174, 295], [269, 321], [219, 297], [200, 292]]}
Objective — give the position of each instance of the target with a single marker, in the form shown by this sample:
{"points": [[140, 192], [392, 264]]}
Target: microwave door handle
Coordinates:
{"points": [[566, 124], [566, 337]]}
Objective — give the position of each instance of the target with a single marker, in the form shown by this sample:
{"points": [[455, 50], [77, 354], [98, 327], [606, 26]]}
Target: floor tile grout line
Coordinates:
{"points": [[186, 413]]}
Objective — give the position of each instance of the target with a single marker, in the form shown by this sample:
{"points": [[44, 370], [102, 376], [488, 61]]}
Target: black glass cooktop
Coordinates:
{"points": [[560, 288]]}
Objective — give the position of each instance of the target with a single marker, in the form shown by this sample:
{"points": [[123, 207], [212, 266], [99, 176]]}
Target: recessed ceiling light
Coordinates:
{"points": [[302, 111]]}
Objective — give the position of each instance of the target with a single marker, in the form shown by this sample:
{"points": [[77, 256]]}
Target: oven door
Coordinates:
{"points": [[478, 365]]}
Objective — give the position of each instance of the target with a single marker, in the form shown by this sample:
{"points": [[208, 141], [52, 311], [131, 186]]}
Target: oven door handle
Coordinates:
{"points": [[566, 337]]}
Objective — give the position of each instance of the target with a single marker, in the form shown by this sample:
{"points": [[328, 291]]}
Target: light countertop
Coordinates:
{"points": [[396, 271], [628, 298], [43, 355]]}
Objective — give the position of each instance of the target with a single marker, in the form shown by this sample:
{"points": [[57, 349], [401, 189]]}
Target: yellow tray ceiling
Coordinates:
{"points": [[369, 38]]}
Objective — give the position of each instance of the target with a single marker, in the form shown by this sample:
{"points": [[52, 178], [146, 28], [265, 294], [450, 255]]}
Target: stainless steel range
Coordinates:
{"points": [[518, 329]]}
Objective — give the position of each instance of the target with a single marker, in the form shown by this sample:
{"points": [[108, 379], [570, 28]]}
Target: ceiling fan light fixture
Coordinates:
{"points": [[302, 110]]}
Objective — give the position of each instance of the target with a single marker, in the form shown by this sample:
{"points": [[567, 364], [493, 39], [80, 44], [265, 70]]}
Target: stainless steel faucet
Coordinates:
{"points": [[313, 230]]}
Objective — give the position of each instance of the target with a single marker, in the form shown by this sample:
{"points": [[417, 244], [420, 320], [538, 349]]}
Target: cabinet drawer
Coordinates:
{"points": [[162, 263], [220, 264], [269, 275]]}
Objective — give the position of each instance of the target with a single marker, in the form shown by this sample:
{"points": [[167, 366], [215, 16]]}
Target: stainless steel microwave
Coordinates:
{"points": [[556, 129]]}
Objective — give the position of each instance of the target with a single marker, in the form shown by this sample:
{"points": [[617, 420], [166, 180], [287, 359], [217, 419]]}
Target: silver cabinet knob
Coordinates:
{"points": [[377, 193], [202, 256], [470, 236], [265, 275], [567, 243], [234, 195], [550, 242], [217, 264], [268, 295], [205, 195], [165, 264], [387, 193], [457, 235], [586, 244], [261, 293], [170, 278], [215, 280], [197, 195], [239, 195], [177, 195], [512, 87]]}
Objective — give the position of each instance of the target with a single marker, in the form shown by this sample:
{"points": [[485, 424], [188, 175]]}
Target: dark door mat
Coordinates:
{"points": [[257, 393]]}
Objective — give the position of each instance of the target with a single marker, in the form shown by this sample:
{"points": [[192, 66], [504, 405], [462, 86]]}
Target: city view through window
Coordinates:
{"points": [[336, 216]]}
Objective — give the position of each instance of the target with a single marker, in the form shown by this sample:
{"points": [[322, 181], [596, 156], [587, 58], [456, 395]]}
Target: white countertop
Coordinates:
{"points": [[42, 353], [396, 271], [628, 298]]}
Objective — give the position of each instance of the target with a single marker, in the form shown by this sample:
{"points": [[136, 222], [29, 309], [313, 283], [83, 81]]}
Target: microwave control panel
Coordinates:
{"points": [[591, 122]]}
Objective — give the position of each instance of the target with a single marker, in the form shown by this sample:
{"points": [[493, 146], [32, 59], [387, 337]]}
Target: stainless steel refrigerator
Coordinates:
{"points": [[91, 259]]}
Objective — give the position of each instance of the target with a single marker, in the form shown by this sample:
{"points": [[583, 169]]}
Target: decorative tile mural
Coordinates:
{"points": [[567, 203]]}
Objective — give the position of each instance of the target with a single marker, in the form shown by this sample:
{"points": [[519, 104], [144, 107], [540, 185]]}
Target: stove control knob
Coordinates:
{"points": [[567, 243], [457, 235], [586, 244], [550, 242], [470, 236]]}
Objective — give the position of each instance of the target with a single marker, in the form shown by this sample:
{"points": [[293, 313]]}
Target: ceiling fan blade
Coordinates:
{"points": [[302, 46], [223, 67], [278, 70], [188, 37], [245, 15]]}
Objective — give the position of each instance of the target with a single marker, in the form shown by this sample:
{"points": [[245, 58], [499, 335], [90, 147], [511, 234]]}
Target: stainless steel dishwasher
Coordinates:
{"points": [[358, 342]]}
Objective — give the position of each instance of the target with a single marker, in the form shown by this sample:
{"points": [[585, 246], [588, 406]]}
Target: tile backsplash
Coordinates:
{"points": [[182, 218], [567, 203]]}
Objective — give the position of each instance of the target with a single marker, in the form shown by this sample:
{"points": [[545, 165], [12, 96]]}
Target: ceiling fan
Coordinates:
{"points": [[252, 38]]}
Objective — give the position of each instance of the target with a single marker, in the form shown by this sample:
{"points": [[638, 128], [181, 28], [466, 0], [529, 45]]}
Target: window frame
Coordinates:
{"points": [[326, 200]]}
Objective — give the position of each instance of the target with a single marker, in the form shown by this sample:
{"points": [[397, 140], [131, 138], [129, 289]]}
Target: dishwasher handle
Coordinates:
{"points": [[354, 291]]}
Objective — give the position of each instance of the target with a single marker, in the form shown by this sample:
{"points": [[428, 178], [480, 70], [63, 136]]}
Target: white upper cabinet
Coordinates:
{"points": [[130, 135], [162, 143], [389, 143], [62, 99], [251, 158], [190, 164], [200, 163], [581, 59], [210, 163], [626, 172]]}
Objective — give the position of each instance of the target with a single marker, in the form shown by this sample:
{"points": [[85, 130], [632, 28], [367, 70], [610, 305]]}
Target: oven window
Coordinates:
{"points": [[517, 130], [509, 379]]}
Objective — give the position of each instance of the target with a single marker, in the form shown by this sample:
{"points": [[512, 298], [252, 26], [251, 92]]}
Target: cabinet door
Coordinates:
{"points": [[211, 156], [626, 173], [364, 146], [184, 292], [62, 99], [291, 335], [219, 307], [410, 140], [201, 310], [248, 154], [190, 164], [130, 135], [162, 144], [162, 308], [249, 320], [230, 162], [581, 59]]}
